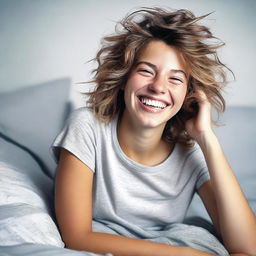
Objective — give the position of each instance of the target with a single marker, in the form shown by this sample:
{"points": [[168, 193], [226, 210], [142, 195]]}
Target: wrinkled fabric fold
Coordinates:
{"points": [[179, 234]]}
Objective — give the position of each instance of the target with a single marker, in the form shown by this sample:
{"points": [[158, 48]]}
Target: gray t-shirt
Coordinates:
{"points": [[125, 192]]}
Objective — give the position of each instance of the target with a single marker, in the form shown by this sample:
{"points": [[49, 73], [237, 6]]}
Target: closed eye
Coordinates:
{"points": [[177, 80], [146, 71]]}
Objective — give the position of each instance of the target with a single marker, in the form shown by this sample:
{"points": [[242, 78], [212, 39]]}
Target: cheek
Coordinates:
{"points": [[129, 92], [133, 85], [179, 95]]}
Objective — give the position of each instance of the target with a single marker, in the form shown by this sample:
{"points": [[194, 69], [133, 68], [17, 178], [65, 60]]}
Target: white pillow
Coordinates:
{"points": [[26, 200]]}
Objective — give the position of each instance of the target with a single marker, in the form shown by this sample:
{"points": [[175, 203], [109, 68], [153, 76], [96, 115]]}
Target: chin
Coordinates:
{"points": [[152, 123]]}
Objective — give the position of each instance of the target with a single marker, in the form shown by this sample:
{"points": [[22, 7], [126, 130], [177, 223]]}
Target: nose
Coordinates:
{"points": [[158, 85]]}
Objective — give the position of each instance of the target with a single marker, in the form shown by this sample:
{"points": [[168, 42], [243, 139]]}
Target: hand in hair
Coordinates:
{"points": [[202, 122]]}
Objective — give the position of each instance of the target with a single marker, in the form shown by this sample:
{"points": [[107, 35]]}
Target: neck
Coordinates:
{"points": [[143, 145]]}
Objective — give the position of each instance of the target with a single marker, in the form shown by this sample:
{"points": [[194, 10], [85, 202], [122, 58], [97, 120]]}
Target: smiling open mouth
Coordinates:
{"points": [[152, 103]]}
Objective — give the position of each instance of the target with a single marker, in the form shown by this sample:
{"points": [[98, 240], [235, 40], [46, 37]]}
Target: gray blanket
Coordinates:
{"points": [[27, 226]]}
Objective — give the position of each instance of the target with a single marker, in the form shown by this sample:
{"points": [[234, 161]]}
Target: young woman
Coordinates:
{"points": [[130, 163]]}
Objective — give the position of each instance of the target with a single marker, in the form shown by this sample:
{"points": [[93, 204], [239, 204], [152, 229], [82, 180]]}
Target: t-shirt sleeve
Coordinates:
{"points": [[78, 137], [202, 177], [202, 169]]}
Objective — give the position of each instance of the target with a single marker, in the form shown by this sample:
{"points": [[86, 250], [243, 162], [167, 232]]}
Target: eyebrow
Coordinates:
{"points": [[153, 66]]}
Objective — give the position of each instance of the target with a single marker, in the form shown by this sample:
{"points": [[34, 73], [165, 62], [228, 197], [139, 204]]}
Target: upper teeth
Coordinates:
{"points": [[153, 103]]}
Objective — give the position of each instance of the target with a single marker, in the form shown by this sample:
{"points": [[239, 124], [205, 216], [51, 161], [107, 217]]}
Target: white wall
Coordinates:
{"points": [[42, 40]]}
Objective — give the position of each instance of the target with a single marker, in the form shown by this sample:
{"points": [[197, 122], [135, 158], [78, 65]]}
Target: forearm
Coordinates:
{"points": [[123, 246], [236, 219]]}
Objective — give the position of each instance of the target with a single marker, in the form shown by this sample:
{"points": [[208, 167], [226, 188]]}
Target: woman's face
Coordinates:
{"points": [[156, 87]]}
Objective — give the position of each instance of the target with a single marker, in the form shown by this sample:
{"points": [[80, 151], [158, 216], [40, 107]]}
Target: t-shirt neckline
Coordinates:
{"points": [[133, 164]]}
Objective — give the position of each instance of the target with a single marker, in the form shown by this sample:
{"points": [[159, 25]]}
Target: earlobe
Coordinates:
{"points": [[122, 87]]}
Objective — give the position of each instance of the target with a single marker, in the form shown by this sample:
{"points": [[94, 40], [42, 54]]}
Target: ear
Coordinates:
{"points": [[123, 86]]}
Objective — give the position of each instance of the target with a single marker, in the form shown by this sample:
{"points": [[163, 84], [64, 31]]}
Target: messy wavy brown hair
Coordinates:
{"points": [[180, 29]]}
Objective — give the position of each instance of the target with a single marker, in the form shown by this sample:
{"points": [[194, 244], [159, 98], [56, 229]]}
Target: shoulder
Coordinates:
{"points": [[191, 156], [82, 117], [83, 120], [190, 151], [81, 114]]}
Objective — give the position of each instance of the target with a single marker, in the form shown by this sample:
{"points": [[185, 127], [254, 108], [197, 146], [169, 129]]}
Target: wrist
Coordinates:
{"points": [[211, 149], [206, 139]]}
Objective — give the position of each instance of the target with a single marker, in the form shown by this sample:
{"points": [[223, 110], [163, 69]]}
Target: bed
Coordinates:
{"points": [[30, 118]]}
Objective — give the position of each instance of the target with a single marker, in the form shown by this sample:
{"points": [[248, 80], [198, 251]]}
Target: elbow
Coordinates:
{"points": [[72, 244], [248, 251], [76, 242], [246, 245], [252, 251]]}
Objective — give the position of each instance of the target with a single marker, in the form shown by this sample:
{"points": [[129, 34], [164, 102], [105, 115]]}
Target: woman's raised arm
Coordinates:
{"points": [[223, 197]]}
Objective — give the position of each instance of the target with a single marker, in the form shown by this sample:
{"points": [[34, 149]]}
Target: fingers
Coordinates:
{"points": [[198, 100], [201, 96]]}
